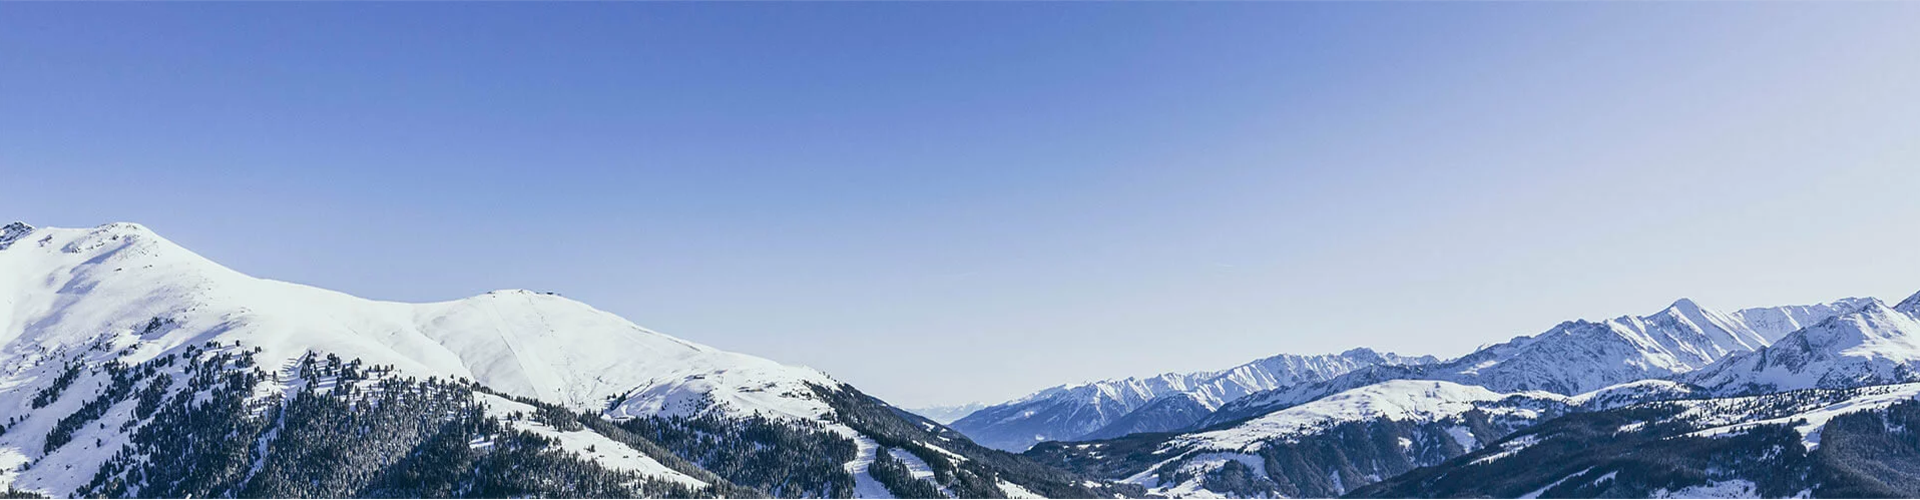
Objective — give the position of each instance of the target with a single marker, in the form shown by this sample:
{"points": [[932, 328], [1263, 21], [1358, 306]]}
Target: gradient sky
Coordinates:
{"points": [[951, 202]]}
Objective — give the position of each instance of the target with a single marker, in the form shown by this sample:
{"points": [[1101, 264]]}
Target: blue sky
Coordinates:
{"points": [[950, 202]]}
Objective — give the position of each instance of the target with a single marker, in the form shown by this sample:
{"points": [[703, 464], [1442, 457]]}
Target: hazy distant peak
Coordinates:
{"points": [[1911, 305]]}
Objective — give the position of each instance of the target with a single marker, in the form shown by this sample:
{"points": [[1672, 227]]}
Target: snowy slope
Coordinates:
{"points": [[1874, 345], [136, 296], [1075, 411], [68, 286]]}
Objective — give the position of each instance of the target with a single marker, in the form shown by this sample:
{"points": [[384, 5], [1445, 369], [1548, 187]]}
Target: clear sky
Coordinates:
{"points": [[952, 202]]}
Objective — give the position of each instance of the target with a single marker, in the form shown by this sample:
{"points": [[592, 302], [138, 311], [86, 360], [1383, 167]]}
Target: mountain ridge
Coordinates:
{"points": [[1073, 411]]}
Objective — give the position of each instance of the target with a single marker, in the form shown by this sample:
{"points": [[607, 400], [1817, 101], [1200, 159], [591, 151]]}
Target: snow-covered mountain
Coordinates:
{"points": [[1875, 344], [89, 315], [1579, 356], [946, 414], [1570, 358], [1079, 410]]}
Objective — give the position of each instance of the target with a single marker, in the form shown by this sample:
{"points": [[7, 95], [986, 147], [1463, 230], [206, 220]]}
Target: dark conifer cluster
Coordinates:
{"points": [[899, 480], [47, 395], [785, 458], [356, 432]]}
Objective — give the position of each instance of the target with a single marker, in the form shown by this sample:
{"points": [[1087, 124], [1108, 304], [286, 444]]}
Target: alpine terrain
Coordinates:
{"points": [[1440, 429], [132, 367]]}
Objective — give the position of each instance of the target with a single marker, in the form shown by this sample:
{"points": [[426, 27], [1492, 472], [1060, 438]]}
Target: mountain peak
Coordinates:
{"points": [[1685, 305], [1874, 305], [520, 342], [1911, 306], [110, 230], [13, 232]]}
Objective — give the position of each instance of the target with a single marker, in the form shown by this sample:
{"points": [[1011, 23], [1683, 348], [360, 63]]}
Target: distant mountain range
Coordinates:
{"points": [[1110, 408], [1345, 434], [1573, 357]]}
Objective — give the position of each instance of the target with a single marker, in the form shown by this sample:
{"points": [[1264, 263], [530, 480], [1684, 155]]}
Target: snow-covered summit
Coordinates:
{"points": [[1875, 345], [1577, 356], [126, 286], [12, 232]]}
